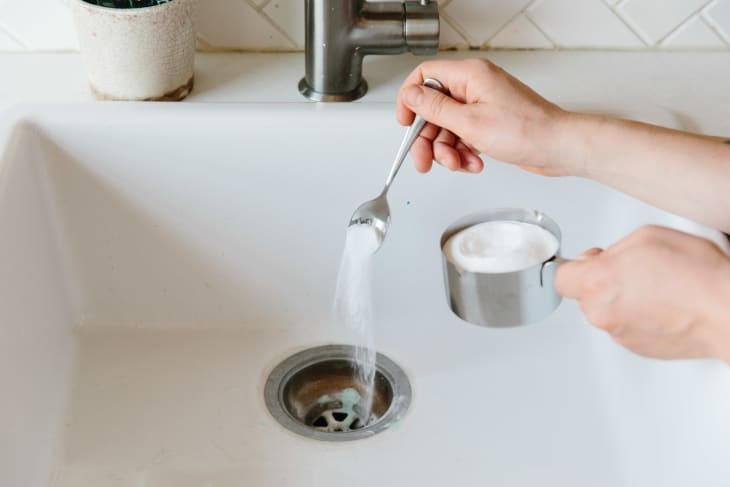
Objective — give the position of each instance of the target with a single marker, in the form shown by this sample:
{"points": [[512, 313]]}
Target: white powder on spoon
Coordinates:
{"points": [[500, 246]]}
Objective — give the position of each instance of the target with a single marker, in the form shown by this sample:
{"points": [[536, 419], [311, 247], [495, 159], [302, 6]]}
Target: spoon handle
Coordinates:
{"points": [[411, 135]]}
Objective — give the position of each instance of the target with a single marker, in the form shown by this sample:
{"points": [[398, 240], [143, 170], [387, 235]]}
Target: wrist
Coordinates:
{"points": [[723, 339], [721, 347], [575, 136]]}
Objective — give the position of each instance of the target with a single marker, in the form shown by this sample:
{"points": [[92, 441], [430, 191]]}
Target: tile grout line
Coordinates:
{"points": [[698, 15], [543, 32], [280, 29], [14, 38], [528, 16], [508, 22], [667, 37], [205, 45], [272, 23], [456, 27], [694, 14], [505, 24], [712, 24], [629, 24]]}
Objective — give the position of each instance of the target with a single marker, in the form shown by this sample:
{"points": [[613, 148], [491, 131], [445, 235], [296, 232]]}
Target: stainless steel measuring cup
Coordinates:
{"points": [[508, 298]]}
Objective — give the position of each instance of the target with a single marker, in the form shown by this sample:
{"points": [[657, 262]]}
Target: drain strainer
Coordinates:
{"points": [[316, 393]]}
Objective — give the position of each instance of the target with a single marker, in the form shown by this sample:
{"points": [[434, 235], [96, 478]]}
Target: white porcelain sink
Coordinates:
{"points": [[157, 261]]}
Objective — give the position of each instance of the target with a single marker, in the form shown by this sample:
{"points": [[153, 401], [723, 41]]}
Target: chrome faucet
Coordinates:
{"points": [[339, 33]]}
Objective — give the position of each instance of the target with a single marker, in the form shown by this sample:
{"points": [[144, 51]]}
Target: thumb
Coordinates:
{"points": [[571, 276], [592, 252], [435, 107]]}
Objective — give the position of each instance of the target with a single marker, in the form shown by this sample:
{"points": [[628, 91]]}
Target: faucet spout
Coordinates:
{"points": [[339, 33]]}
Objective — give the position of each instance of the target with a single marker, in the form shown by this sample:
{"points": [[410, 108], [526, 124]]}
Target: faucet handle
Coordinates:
{"points": [[422, 28]]}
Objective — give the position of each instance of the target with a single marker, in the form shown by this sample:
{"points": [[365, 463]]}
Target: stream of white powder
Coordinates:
{"points": [[354, 305]]}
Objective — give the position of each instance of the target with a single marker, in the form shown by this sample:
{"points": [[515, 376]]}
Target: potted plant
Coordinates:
{"points": [[137, 49]]}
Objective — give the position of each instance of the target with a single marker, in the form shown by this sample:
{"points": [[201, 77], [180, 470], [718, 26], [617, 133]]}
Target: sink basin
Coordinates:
{"points": [[158, 261]]}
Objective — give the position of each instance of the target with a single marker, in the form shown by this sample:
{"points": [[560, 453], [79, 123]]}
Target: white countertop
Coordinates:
{"points": [[692, 84]]}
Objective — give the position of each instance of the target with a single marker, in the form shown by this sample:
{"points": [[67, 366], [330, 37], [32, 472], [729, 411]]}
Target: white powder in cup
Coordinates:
{"points": [[500, 246]]}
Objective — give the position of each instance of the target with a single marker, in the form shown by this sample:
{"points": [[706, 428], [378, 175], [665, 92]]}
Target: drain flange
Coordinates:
{"points": [[316, 393]]}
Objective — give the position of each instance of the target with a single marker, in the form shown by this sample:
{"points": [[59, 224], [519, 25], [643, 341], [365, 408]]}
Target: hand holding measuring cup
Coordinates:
{"points": [[659, 292]]}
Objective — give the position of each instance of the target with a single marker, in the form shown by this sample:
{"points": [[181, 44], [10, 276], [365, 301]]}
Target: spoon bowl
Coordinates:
{"points": [[374, 212]]}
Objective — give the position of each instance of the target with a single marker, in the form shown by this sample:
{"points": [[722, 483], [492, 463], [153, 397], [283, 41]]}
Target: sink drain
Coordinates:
{"points": [[316, 393]]}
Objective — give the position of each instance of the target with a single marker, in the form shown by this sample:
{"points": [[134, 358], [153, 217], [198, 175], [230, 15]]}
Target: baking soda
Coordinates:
{"points": [[354, 304], [500, 246]]}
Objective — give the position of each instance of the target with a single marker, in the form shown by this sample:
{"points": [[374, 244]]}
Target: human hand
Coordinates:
{"points": [[487, 110], [659, 292]]}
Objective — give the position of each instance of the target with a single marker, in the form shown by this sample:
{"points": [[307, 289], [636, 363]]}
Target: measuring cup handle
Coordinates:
{"points": [[549, 269]]}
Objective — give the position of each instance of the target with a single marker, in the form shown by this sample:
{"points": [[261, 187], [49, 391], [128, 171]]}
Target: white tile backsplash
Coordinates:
{"points": [[695, 33], [452, 34], [8, 43], [655, 19], [587, 23], [289, 15], [241, 26], [44, 25], [717, 15], [483, 19], [521, 33]]}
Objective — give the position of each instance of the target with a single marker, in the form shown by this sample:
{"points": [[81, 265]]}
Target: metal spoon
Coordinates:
{"points": [[376, 212]]}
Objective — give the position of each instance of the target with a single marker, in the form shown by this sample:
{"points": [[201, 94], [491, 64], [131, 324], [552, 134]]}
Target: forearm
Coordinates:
{"points": [[680, 172], [718, 318], [725, 346]]}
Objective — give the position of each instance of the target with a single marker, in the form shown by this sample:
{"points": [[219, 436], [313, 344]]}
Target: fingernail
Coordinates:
{"points": [[473, 167], [413, 96]]}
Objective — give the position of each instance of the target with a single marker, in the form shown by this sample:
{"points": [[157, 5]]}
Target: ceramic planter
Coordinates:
{"points": [[138, 53]]}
